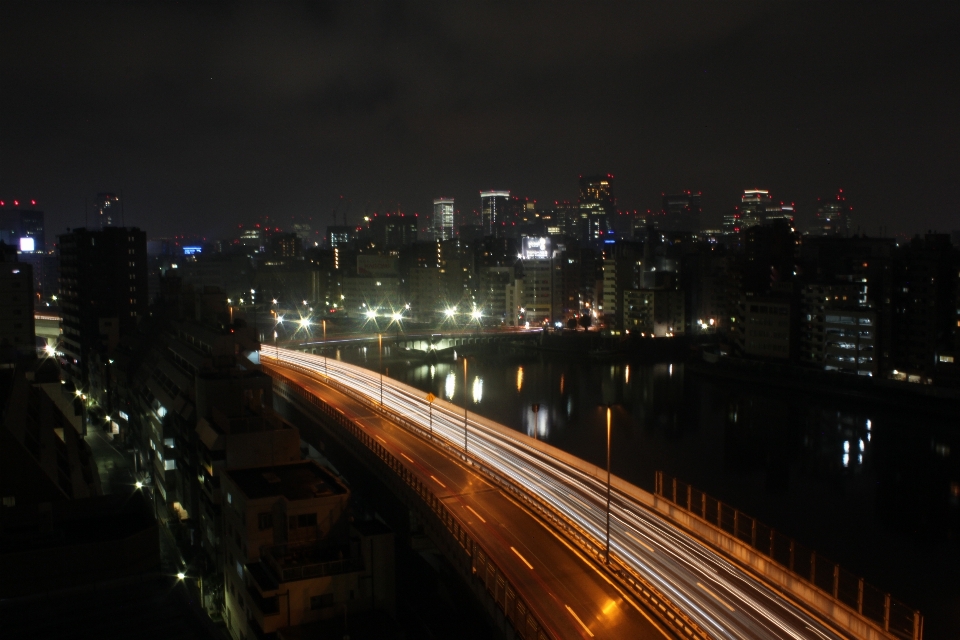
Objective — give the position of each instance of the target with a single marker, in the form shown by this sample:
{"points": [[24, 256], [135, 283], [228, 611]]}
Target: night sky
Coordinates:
{"points": [[206, 116]]}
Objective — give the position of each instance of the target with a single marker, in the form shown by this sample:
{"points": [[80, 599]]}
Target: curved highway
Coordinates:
{"points": [[723, 600]]}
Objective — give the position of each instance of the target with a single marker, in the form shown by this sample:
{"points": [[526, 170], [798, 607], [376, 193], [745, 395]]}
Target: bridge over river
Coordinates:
{"points": [[558, 547]]}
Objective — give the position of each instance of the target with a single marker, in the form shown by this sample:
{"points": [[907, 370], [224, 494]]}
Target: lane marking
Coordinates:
{"points": [[438, 482], [529, 566], [716, 597], [476, 514], [380, 439], [577, 618], [407, 457], [640, 542]]}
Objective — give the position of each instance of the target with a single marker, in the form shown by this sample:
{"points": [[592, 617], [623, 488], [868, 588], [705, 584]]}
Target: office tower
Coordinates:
{"points": [[494, 207], [443, 219], [393, 230], [286, 245], [753, 207], [103, 294], [22, 227], [833, 216], [597, 205], [682, 212], [340, 236], [16, 317], [107, 209]]}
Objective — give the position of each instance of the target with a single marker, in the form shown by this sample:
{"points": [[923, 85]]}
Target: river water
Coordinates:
{"points": [[874, 489]]}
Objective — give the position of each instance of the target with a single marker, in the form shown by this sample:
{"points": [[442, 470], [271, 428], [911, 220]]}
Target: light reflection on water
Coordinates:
{"points": [[780, 455], [451, 385]]}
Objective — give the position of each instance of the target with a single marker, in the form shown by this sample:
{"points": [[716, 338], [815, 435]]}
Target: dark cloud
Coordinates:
{"points": [[209, 113]]}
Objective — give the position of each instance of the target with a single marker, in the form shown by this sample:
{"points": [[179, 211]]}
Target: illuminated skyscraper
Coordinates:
{"points": [[107, 209], [22, 227], [833, 216], [494, 206], [443, 219], [753, 207], [597, 205]]}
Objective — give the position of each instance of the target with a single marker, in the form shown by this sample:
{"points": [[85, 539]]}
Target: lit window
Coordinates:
{"points": [[169, 464]]}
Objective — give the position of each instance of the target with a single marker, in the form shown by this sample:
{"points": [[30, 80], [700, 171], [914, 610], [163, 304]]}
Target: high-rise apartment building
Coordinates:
{"points": [[103, 293], [16, 317], [107, 209], [494, 207], [443, 219], [597, 205]]}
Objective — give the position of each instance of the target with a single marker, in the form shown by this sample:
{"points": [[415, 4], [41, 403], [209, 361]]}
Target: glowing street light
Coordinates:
{"points": [[450, 312], [397, 317], [371, 314], [181, 575]]}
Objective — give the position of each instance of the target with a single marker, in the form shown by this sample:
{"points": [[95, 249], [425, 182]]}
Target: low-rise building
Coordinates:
{"points": [[765, 328], [292, 556]]}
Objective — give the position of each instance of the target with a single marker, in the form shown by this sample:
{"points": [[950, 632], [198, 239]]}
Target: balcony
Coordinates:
{"points": [[300, 562]]}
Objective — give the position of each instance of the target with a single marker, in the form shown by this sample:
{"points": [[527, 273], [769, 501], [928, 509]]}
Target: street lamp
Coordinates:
{"points": [[465, 407], [325, 373], [477, 315]]}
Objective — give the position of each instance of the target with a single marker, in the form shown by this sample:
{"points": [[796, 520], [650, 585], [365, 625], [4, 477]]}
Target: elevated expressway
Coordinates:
{"points": [[546, 513]]}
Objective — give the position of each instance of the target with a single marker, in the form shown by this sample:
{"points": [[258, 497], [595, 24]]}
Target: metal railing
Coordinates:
{"points": [[277, 556], [805, 563], [465, 551]]}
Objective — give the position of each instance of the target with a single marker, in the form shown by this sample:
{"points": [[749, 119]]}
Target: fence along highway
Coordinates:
{"points": [[722, 600]]}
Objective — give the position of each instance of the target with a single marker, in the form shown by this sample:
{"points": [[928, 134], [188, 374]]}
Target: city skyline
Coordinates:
{"points": [[382, 104]]}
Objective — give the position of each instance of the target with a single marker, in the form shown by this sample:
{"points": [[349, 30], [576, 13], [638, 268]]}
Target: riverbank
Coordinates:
{"points": [[832, 384]]}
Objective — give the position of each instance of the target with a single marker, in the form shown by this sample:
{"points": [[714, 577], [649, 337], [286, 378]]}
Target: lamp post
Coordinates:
{"points": [[608, 484], [380, 340], [325, 373], [464, 407]]}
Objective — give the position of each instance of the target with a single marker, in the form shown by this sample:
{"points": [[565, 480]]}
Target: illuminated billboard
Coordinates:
{"points": [[189, 251], [27, 245], [536, 248]]}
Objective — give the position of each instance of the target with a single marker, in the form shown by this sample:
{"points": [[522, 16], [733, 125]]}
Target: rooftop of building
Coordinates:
{"points": [[299, 481]]}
